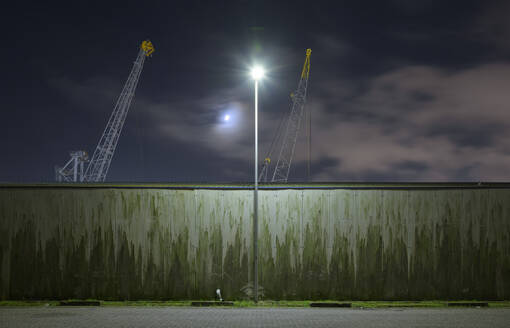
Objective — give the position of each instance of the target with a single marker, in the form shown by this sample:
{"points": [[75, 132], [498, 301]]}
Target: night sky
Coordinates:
{"points": [[399, 90]]}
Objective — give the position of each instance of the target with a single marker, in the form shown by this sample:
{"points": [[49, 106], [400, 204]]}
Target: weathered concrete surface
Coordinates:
{"points": [[116, 243]]}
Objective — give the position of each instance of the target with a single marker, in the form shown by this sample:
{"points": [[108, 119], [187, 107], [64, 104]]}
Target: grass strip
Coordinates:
{"points": [[268, 303]]}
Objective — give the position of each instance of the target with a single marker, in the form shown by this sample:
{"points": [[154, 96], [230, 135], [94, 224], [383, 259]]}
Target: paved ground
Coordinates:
{"points": [[146, 317]]}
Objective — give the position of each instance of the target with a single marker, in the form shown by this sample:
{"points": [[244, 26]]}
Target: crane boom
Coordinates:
{"points": [[101, 159], [289, 138]]}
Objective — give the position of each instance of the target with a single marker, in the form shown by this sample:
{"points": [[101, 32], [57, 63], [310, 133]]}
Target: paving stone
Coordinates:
{"points": [[148, 317]]}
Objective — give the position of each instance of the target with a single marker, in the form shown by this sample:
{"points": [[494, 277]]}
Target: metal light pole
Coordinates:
{"points": [[257, 73]]}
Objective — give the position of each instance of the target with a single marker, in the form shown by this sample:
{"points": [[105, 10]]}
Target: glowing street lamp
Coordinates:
{"points": [[257, 73]]}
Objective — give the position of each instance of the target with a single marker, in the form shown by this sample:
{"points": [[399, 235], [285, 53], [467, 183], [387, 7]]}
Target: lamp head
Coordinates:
{"points": [[257, 73]]}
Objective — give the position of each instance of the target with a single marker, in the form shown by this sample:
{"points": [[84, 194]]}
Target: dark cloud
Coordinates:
{"points": [[421, 96], [413, 166], [492, 27], [469, 134]]}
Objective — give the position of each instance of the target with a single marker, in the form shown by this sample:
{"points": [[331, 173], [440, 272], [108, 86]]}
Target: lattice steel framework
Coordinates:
{"points": [[72, 171], [289, 138], [101, 159]]}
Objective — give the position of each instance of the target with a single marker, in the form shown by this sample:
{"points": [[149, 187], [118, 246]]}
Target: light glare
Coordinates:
{"points": [[226, 118], [257, 73]]}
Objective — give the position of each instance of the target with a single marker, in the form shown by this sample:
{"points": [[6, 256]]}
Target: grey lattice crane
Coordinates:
{"points": [[288, 131], [101, 159]]}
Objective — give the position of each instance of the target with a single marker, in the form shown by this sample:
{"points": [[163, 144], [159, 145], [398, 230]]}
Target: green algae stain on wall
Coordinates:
{"points": [[4, 265], [314, 244], [341, 274]]}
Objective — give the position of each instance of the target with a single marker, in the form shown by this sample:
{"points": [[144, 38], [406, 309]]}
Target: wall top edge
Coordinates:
{"points": [[266, 186]]}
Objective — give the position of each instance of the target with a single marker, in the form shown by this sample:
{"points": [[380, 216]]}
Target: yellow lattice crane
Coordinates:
{"points": [[287, 133]]}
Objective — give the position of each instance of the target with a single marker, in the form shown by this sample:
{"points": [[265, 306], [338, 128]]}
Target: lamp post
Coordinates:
{"points": [[257, 73]]}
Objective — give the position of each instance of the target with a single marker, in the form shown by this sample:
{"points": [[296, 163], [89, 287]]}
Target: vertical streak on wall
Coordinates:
{"points": [[301, 218], [330, 229], [462, 231], [410, 233]]}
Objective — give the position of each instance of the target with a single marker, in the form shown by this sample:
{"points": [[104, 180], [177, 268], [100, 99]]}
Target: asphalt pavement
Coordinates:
{"points": [[147, 317]]}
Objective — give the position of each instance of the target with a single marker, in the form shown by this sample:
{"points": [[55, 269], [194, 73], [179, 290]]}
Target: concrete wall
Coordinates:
{"points": [[139, 243]]}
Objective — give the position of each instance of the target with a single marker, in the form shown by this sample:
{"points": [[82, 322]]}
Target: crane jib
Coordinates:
{"points": [[101, 159], [291, 127]]}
